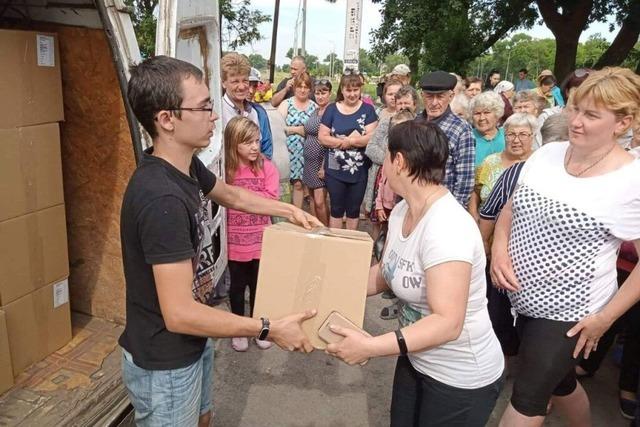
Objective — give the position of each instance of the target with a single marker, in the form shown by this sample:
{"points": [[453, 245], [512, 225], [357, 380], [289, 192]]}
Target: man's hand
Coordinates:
{"points": [[300, 217], [287, 332], [289, 84]]}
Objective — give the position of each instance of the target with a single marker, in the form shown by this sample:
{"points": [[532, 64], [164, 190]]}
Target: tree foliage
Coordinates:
{"points": [[450, 34], [239, 23]]}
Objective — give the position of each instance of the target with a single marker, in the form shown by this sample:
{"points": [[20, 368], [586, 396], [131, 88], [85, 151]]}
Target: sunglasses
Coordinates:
{"points": [[322, 82], [581, 72]]}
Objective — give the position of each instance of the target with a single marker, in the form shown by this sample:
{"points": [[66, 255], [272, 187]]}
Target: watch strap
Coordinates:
{"points": [[266, 327]]}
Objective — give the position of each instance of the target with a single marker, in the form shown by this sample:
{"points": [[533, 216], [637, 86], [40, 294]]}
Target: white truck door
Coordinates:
{"points": [[189, 30]]}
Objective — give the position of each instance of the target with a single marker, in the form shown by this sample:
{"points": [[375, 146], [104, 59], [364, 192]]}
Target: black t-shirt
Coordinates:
{"points": [[161, 221]]}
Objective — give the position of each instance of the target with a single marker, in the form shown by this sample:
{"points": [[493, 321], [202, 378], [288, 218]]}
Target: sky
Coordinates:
{"points": [[326, 23]]}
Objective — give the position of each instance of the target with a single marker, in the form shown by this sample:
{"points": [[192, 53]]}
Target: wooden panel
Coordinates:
{"points": [[97, 159]]}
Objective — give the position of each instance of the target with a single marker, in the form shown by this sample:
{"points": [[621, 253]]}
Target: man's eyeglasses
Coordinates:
{"points": [[522, 136], [209, 109]]}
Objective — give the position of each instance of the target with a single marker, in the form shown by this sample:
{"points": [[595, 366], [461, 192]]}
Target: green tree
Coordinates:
{"points": [[239, 23], [338, 65], [258, 61], [368, 64]]}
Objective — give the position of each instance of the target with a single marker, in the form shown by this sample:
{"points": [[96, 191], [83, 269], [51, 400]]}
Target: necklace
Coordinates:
{"points": [[601, 158], [422, 212]]}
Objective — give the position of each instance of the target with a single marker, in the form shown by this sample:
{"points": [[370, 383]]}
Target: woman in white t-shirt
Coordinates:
{"points": [[556, 242], [450, 367]]}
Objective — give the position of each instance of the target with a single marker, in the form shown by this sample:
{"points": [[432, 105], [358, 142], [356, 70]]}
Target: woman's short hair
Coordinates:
{"points": [[303, 79], [424, 147], [521, 120], [234, 63], [615, 88], [407, 90], [573, 80], [322, 83], [555, 128], [471, 80], [460, 105], [531, 96], [488, 100], [401, 116]]}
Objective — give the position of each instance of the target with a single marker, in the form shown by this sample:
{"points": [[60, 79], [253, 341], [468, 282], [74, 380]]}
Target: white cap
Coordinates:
{"points": [[401, 70], [254, 75], [503, 86]]}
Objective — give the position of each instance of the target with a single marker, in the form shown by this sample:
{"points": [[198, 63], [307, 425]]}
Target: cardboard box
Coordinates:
{"points": [[30, 82], [30, 169], [38, 324], [301, 269], [33, 252], [6, 372]]}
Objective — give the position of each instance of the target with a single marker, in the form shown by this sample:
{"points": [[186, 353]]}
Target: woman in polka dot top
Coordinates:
{"points": [[556, 242]]}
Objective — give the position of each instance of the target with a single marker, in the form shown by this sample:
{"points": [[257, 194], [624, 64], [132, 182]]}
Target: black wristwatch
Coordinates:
{"points": [[264, 332]]}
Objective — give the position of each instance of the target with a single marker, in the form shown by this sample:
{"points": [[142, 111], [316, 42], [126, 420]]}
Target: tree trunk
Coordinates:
{"points": [[566, 27], [624, 41]]}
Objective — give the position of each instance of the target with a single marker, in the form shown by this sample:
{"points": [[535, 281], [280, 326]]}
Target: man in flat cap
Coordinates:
{"points": [[437, 93]]}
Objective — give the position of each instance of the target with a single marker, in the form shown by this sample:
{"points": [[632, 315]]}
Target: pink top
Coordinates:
{"points": [[386, 198], [244, 230]]}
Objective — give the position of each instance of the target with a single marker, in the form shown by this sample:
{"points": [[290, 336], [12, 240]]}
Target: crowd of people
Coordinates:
{"points": [[498, 209]]}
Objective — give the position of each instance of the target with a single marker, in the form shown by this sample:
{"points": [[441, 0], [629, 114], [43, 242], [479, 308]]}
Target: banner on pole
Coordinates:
{"points": [[352, 35]]}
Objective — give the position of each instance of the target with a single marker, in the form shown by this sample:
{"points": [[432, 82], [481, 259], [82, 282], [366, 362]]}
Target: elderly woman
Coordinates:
{"points": [[518, 129], [345, 130], [296, 111], [555, 245], [486, 110], [506, 91], [449, 369]]}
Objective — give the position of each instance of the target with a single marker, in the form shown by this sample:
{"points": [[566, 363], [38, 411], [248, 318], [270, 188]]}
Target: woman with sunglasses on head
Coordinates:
{"points": [[555, 246], [346, 128], [314, 153]]}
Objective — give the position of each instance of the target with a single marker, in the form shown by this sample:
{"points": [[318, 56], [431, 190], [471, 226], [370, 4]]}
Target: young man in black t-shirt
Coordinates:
{"points": [[167, 356]]}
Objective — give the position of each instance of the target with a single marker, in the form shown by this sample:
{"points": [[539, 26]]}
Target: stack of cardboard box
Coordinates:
{"points": [[34, 266]]}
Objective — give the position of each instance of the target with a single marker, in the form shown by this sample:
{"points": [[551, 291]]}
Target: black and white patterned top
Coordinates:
{"points": [[565, 235]]}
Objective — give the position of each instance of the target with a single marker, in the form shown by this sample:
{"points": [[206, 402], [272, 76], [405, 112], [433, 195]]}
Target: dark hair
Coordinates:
{"points": [[347, 80], [546, 80], [407, 90], [322, 83], [424, 147], [523, 70], [574, 79], [155, 85], [487, 82]]}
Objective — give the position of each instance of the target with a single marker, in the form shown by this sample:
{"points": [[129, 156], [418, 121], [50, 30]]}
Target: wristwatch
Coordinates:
{"points": [[264, 332]]}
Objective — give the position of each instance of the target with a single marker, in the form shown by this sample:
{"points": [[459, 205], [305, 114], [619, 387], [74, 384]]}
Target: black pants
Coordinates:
{"points": [[420, 401], [243, 274], [499, 308], [629, 325]]}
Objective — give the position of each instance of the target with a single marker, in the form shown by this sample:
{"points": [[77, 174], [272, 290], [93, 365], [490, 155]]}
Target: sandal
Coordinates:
{"points": [[389, 312]]}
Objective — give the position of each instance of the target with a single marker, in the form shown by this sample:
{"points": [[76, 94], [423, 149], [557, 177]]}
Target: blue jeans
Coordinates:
{"points": [[175, 397]]}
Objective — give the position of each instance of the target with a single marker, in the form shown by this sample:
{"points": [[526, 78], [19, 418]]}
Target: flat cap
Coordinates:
{"points": [[438, 81]]}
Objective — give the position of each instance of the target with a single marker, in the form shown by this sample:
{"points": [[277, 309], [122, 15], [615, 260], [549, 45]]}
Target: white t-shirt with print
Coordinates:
{"points": [[565, 235], [445, 233]]}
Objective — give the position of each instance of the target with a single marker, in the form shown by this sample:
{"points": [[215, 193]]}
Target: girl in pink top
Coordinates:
{"points": [[246, 167]]}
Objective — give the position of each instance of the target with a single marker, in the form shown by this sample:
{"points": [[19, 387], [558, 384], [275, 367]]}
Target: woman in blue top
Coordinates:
{"points": [[346, 127]]}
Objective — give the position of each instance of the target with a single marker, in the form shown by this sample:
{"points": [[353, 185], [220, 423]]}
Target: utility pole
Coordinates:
{"points": [[303, 50], [274, 37]]}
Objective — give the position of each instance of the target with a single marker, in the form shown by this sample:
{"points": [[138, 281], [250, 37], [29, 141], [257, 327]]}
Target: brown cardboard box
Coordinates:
{"points": [[30, 169], [30, 82], [38, 324], [33, 252], [6, 372], [301, 269]]}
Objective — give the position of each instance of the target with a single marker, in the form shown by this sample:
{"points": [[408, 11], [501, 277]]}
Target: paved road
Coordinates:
{"points": [[276, 388]]}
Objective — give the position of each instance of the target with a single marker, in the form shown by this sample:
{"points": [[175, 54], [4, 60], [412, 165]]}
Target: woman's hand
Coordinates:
{"points": [[382, 216], [502, 274], [321, 172], [591, 328], [354, 348], [345, 144]]}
